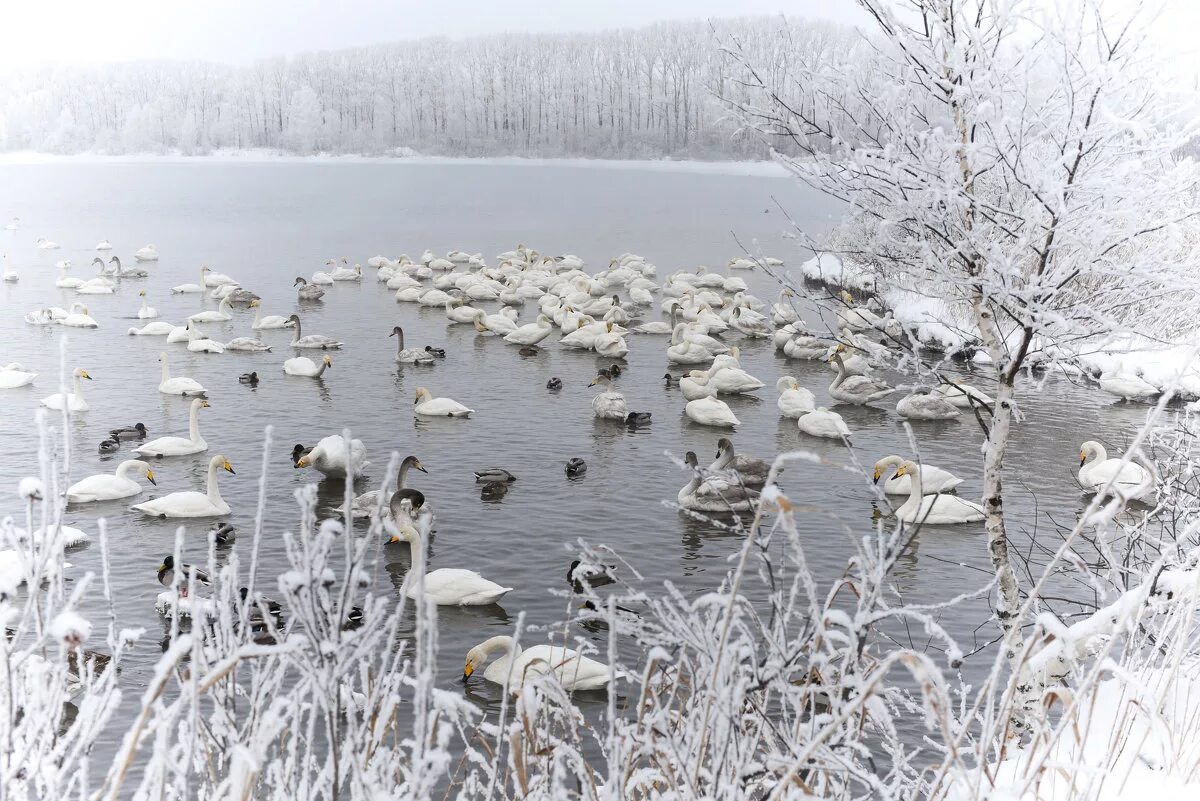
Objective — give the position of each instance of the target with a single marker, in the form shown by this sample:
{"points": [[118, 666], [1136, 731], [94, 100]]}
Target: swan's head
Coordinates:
{"points": [[422, 394], [397, 331], [609, 326], [204, 268], [327, 361], [254, 304], [299, 282], [149, 473], [907, 469], [1089, 449], [200, 403], [690, 460], [724, 446], [414, 462], [141, 293], [295, 318], [883, 464], [81, 373], [224, 464]]}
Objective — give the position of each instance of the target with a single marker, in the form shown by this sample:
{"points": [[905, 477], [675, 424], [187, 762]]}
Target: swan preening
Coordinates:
{"points": [[515, 666], [706, 493], [428, 406], [331, 457], [304, 366], [1125, 479], [192, 504]]}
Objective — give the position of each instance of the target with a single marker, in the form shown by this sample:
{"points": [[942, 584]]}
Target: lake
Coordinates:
{"points": [[266, 223]]}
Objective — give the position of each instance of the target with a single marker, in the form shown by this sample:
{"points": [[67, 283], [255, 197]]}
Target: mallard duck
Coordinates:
{"points": [[222, 533], [298, 453], [529, 350], [166, 574], [494, 474], [249, 378], [111, 445], [576, 467], [554, 384], [635, 419], [439, 353], [591, 576], [135, 431]]}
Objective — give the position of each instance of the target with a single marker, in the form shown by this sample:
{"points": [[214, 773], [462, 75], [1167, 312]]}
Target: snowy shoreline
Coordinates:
{"points": [[767, 169]]}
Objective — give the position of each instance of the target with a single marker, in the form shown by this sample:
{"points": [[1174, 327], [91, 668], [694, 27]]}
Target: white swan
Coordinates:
{"points": [[178, 446], [935, 510], [530, 333], [192, 289], [933, 479], [9, 275], [146, 312], [458, 312], [1125, 387], [329, 457], [110, 486], [247, 344], [922, 404], [104, 244], [409, 355], [961, 395], [146, 253], [155, 329], [73, 401], [198, 341], [794, 400], [823, 423], [45, 244], [1130, 481], [180, 385], [711, 412], [446, 586], [696, 385], [493, 323], [270, 321], [192, 504], [14, 375], [304, 366], [312, 341], [41, 317], [428, 406], [223, 313], [732, 380], [65, 281], [609, 344], [573, 670], [344, 273], [856, 389], [79, 317]]}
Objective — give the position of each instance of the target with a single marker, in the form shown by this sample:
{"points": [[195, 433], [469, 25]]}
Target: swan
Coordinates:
{"points": [[610, 344], [198, 342], [347, 273], [178, 446], [178, 333], [1126, 388], [304, 366], [179, 385], [156, 329], [222, 314], [856, 389], [732, 380], [428, 406], [65, 281], [783, 312], [752, 472], [609, 404], [711, 412], [9, 275], [146, 312], [713, 494], [935, 510], [321, 277], [961, 395], [110, 486], [458, 312], [823, 423], [73, 401], [270, 321], [146, 253], [251, 344], [192, 289], [922, 404], [192, 504], [409, 355], [696, 385], [14, 375], [103, 244], [312, 341], [751, 323], [933, 479], [41, 317], [127, 272], [794, 400], [329, 457], [364, 505], [573, 670], [493, 323], [45, 244], [1131, 480], [530, 333], [445, 586], [79, 317], [307, 291]]}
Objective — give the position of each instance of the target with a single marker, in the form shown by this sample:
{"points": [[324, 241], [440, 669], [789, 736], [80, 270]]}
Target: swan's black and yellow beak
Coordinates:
{"points": [[468, 669], [878, 475], [393, 540], [420, 467], [150, 477], [229, 467]]}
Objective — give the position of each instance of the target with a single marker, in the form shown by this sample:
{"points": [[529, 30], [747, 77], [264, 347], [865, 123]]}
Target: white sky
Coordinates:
{"points": [[240, 31]]}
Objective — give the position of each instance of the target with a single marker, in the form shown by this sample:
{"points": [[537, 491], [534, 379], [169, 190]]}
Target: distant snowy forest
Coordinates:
{"points": [[638, 93]]}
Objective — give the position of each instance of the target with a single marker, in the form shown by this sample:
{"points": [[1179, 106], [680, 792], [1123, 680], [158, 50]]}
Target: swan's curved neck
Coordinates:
{"points": [[257, 315], [166, 371], [194, 423], [917, 492], [1100, 453], [840, 366], [723, 461], [402, 477], [214, 490], [321, 369], [298, 333], [399, 341], [501, 642], [78, 389]]}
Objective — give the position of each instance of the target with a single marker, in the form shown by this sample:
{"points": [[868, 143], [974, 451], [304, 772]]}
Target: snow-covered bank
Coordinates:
{"points": [[766, 169]]}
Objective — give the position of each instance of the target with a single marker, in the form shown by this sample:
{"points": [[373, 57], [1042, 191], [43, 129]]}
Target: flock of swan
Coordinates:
{"points": [[703, 314]]}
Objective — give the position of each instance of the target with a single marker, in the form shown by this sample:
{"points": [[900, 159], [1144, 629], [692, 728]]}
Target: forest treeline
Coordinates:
{"points": [[657, 91]]}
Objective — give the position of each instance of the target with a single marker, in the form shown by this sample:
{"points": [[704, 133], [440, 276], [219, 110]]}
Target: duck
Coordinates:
{"points": [[79, 317], [146, 253], [111, 486], [307, 291], [135, 431], [110, 445], [299, 452], [437, 353], [270, 321], [446, 586], [260, 604], [146, 312], [637, 419], [155, 329], [72, 401], [1097, 472], [248, 345], [330, 458], [750, 471], [855, 389], [573, 671], [963, 396], [15, 375], [312, 341], [933, 479], [192, 289], [495, 474], [192, 503], [713, 494], [609, 404], [922, 404], [554, 384], [794, 400], [1125, 387], [409, 355], [179, 385], [823, 423], [222, 533], [529, 350], [304, 366], [934, 510], [223, 313], [530, 333], [576, 467], [426, 405], [711, 412], [167, 571], [179, 446]]}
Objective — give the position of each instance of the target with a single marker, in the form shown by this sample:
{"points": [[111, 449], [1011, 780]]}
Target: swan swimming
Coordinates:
{"points": [[270, 321], [178, 446], [409, 355], [180, 385], [110, 486], [304, 366], [428, 406], [1130, 481], [73, 401], [329, 457], [933, 479], [934, 510], [712, 493], [14, 375], [192, 503], [312, 341], [709, 411]]}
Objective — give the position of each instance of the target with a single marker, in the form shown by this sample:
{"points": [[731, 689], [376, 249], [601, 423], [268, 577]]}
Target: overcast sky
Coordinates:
{"points": [[240, 31]]}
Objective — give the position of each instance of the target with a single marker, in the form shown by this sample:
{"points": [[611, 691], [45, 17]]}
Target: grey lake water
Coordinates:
{"points": [[266, 223]]}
